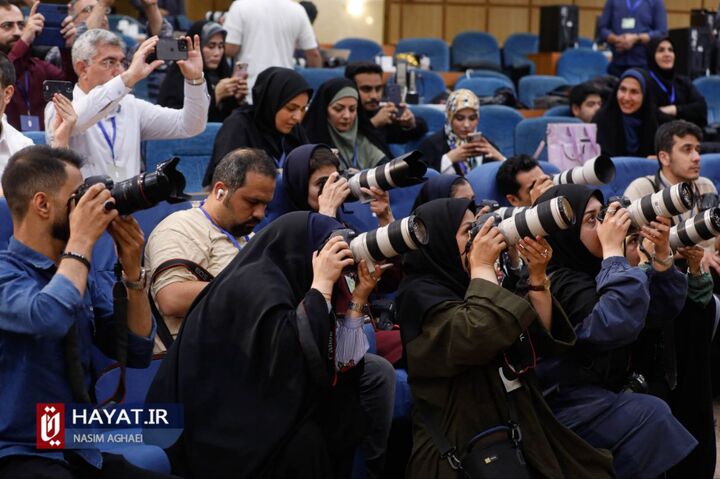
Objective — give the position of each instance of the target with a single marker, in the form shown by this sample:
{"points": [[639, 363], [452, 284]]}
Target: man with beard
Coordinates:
{"points": [[190, 247], [26, 110], [391, 124], [52, 313]]}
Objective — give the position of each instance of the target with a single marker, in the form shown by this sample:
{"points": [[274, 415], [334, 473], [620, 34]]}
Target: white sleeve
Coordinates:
{"points": [[446, 165], [233, 24], [306, 39], [161, 123], [93, 107]]}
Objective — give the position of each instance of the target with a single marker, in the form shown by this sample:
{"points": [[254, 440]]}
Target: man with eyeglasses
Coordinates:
{"points": [[392, 125], [112, 122], [25, 111]]}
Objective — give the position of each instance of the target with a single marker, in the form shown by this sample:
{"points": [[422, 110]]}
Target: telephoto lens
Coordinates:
{"points": [[669, 202], [405, 170], [695, 230], [598, 171], [389, 241], [540, 220]]}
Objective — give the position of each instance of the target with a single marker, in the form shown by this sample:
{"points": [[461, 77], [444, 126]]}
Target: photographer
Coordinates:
{"points": [[52, 312], [257, 369], [608, 301], [459, 328], [444, 186], [521, 180]]}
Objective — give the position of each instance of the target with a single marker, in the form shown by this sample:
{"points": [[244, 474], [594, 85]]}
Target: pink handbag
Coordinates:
{"points": [[571, 144]]}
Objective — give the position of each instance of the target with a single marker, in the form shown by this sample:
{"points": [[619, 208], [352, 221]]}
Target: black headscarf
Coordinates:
{"points": [[667, 76], [296, 176], [239, 366], [316, 122], [434, 273], [615, 128], [437, 187], [572, 267]]}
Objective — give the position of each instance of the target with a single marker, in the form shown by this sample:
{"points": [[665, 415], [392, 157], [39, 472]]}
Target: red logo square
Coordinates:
{"points": [[50, 425]]}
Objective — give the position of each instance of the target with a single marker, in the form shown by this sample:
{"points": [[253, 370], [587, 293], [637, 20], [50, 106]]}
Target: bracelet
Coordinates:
{"points": [[140, 284], [196, 81], [357, 307], [76, 257]]}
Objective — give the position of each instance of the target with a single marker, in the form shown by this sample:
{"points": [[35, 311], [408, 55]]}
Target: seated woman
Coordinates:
{"points": [[256, 368], [450, 151], [675, 95], [444, 186], [460, 329], [226, 92], [336, 119], [627, 122], [271, 123], [610, 303]]}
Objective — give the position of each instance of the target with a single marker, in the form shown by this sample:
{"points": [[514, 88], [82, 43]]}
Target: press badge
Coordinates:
{"points": [[627, 23], [29, 123], [117, 173]]}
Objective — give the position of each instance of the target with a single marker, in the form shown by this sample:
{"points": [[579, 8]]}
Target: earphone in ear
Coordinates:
{"points": [[219, 193]]}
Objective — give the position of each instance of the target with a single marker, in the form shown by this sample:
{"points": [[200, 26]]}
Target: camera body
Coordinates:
{"points": [[144, 190], [624, 201], [635, 383]]}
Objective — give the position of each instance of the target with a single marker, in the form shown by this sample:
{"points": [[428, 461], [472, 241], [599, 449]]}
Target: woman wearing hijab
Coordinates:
{"points": [[627, 122], [444, 186], [271, 123], [452, 151], [226, 92], [609, 303], [336, 119], [256, 368], [460, 328], [675, 95]]}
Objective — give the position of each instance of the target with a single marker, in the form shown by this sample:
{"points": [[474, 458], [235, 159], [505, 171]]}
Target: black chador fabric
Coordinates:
{"points": [[256, 377], [296, 176], [433, 273], [435, 188], [253, 126], [613, 125]]}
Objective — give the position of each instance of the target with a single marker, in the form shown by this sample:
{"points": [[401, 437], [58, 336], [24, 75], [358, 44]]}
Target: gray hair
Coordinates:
{"points": [[85, 47]]}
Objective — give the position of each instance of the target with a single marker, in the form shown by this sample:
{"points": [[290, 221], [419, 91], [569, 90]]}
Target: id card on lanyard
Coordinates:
{"points": [[629, 23], [230, 237], [110, 139], [28, 122]]}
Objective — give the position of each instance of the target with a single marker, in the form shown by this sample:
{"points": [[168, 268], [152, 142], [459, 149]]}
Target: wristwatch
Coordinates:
{"points": [[140, 284], [540, 287], [197, 81], [357, 307], [664, 262]]}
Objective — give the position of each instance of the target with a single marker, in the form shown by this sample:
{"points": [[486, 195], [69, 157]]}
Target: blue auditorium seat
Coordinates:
{"points": [[627, 169], [37, 137], [6, 226], [317, 76], [578, 65], [484, 86], [433, 116], [584, 42], [533, 86], [473, 49], [560, 110], [402, 199], [530, 132], [710, 89], [359, 216], [482, 180], [516, 49], [481, 73], [710, 168], [194, 153], [361, 49], [430, 85], [434, 48], [497, 122]]}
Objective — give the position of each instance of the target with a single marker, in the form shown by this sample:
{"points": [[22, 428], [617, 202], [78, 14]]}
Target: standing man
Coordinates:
{"points": [[265, 33], [392, 125], [111, 122], [628, 25]]}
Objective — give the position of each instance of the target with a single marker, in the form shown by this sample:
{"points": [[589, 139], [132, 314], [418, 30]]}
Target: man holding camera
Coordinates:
{"points": [[25, 111], [111, 122], [521, 180], [677, 144], [52, 312], [393, 123]]}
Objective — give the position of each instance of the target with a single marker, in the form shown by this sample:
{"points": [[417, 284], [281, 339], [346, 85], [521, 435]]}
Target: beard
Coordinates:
{"points": [[60, 229], [242, 229]]}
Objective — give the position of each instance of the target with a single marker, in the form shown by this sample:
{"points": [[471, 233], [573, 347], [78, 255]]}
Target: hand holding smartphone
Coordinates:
{"points": [[475, 137], [240, 70]]}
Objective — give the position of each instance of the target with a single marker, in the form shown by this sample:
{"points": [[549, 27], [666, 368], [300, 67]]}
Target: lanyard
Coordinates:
{"points": [[634, 7], [110, 143], [354, 160], [25, 93], [232, 239], [281, 161], [671, 94]]}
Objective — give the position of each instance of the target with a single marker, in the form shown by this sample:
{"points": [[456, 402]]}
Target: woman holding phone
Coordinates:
{"points": [[227, 91]]}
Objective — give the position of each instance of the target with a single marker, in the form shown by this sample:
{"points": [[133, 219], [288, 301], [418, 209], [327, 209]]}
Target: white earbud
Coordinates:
{"points": [[219, 193]]}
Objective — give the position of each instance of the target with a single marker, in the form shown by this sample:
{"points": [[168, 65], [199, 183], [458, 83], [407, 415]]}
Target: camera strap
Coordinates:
{"points": [[120, 312], [198, 271]]}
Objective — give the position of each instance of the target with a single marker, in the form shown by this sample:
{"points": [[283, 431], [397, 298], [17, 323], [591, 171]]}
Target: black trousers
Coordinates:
{"points": [[37, 467]]}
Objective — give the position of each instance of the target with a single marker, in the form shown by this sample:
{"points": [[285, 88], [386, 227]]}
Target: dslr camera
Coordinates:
{"points": [[669, 202], [143, 191]]}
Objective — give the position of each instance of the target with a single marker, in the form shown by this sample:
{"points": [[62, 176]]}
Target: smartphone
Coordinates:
{"points": [[54, 15], [394, 95], [473, 137], [401, 73], [240, 70], [50, 87], [171, 49]]}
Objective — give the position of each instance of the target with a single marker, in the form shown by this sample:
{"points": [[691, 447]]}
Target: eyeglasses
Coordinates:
{"points": [[112, 63], [8, 26], [89, 9]]}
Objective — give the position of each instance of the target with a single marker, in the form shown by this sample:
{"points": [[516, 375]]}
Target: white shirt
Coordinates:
{"points": [[11, 141], [268, 31], [135, 120]]}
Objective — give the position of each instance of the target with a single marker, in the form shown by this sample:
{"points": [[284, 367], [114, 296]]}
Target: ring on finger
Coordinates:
{"points": [[544, 253]]}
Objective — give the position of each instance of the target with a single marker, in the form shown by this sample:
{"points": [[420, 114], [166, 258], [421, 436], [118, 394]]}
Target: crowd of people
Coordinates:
{"points": [[581, 351]]}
